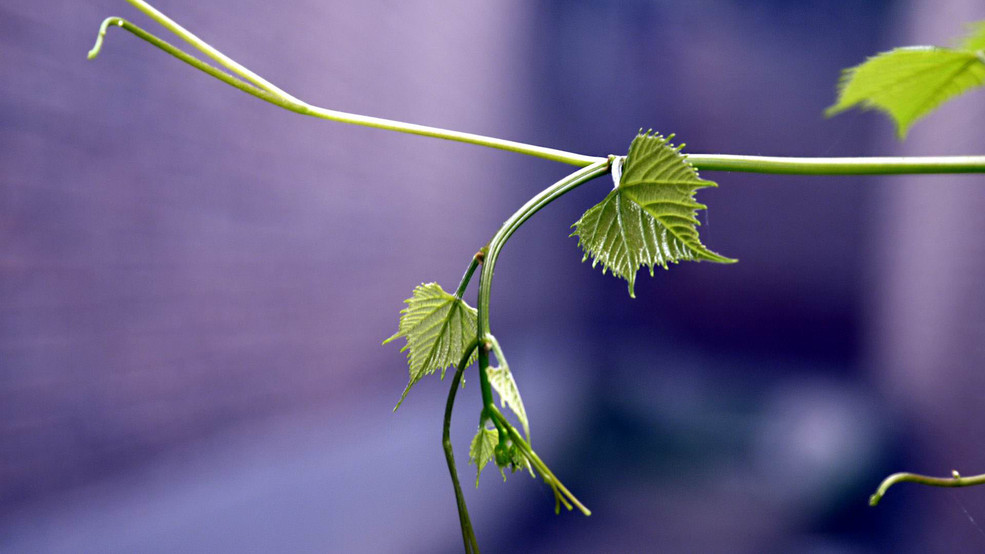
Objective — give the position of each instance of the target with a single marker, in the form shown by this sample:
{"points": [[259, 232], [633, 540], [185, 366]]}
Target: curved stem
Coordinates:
{"points": [[468, 534], [838, 166], [510, 226], [956, 481]]}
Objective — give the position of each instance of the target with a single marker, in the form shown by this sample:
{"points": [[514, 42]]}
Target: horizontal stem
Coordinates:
{"points": [[955, 481], [838, 166], [266, 91]]}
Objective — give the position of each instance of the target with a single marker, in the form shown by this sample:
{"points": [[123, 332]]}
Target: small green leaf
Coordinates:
{"points": [[975, 40], [518, 462], [438, 328], [501, 380], [483, 450], [908, 83], [649, 217]]}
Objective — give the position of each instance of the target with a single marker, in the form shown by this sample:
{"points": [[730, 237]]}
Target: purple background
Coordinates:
{"points": [[194, 284]]}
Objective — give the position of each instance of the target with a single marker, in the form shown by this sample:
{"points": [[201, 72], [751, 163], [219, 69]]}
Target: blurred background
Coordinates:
{"points": [[194, 284]]}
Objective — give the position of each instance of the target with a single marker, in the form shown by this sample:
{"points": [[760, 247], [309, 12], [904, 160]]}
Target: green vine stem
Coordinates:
{"points": [[273, 95], [956, 480], [839, 166], [259, 87], [476, 260], [468, 534], [561, 494], [535, 204]]}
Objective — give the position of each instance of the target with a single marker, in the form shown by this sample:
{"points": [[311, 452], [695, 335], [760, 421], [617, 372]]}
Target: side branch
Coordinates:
{"points": [[956, 481]]}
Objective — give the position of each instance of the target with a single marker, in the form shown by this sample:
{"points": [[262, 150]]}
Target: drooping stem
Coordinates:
{"points": [[561, 492], [535, 204], [510, 226], [468, 534], [955, 481]]}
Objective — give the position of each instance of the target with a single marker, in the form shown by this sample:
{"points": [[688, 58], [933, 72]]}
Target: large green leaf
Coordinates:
{"points": [[501, 380], [908, 83], [438, 328], [649, 217]]}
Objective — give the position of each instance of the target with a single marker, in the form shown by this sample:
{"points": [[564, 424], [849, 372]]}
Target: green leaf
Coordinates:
{"points": [[518, 462], [975, 40], [501, 380], [438, 328], [649, 217], [908, 83], [483, 450]]}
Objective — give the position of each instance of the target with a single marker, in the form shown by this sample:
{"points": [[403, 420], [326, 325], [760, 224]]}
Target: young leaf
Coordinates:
{"points": [[438, 328], [501, 380], [649, 217], [483, 450], [908, 83]]}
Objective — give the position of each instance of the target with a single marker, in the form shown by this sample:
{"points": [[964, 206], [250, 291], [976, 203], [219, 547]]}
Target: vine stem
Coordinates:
{"points": [[468, 534], [561, 492], [247, 81], [838, 166], [955, 481], [506, 230], [266, 91]]}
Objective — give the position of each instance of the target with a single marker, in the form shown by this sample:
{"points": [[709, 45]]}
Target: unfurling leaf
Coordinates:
{"points": [[908, 83], [438, 328], [649, 217], [503, 383], [483, 450]]}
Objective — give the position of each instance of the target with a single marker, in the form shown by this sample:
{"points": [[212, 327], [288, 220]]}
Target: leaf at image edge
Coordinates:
{"points": [[908, 83]]}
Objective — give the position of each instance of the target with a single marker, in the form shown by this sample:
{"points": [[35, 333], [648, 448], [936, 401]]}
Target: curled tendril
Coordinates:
{"points": [[107, 23], [956, 480]]}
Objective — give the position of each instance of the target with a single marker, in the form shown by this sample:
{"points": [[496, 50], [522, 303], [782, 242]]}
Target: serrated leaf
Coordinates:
{"points": [[649, 217], [908, 83], [501, 380], [483, 450], [975, 40], [438, 328]]}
